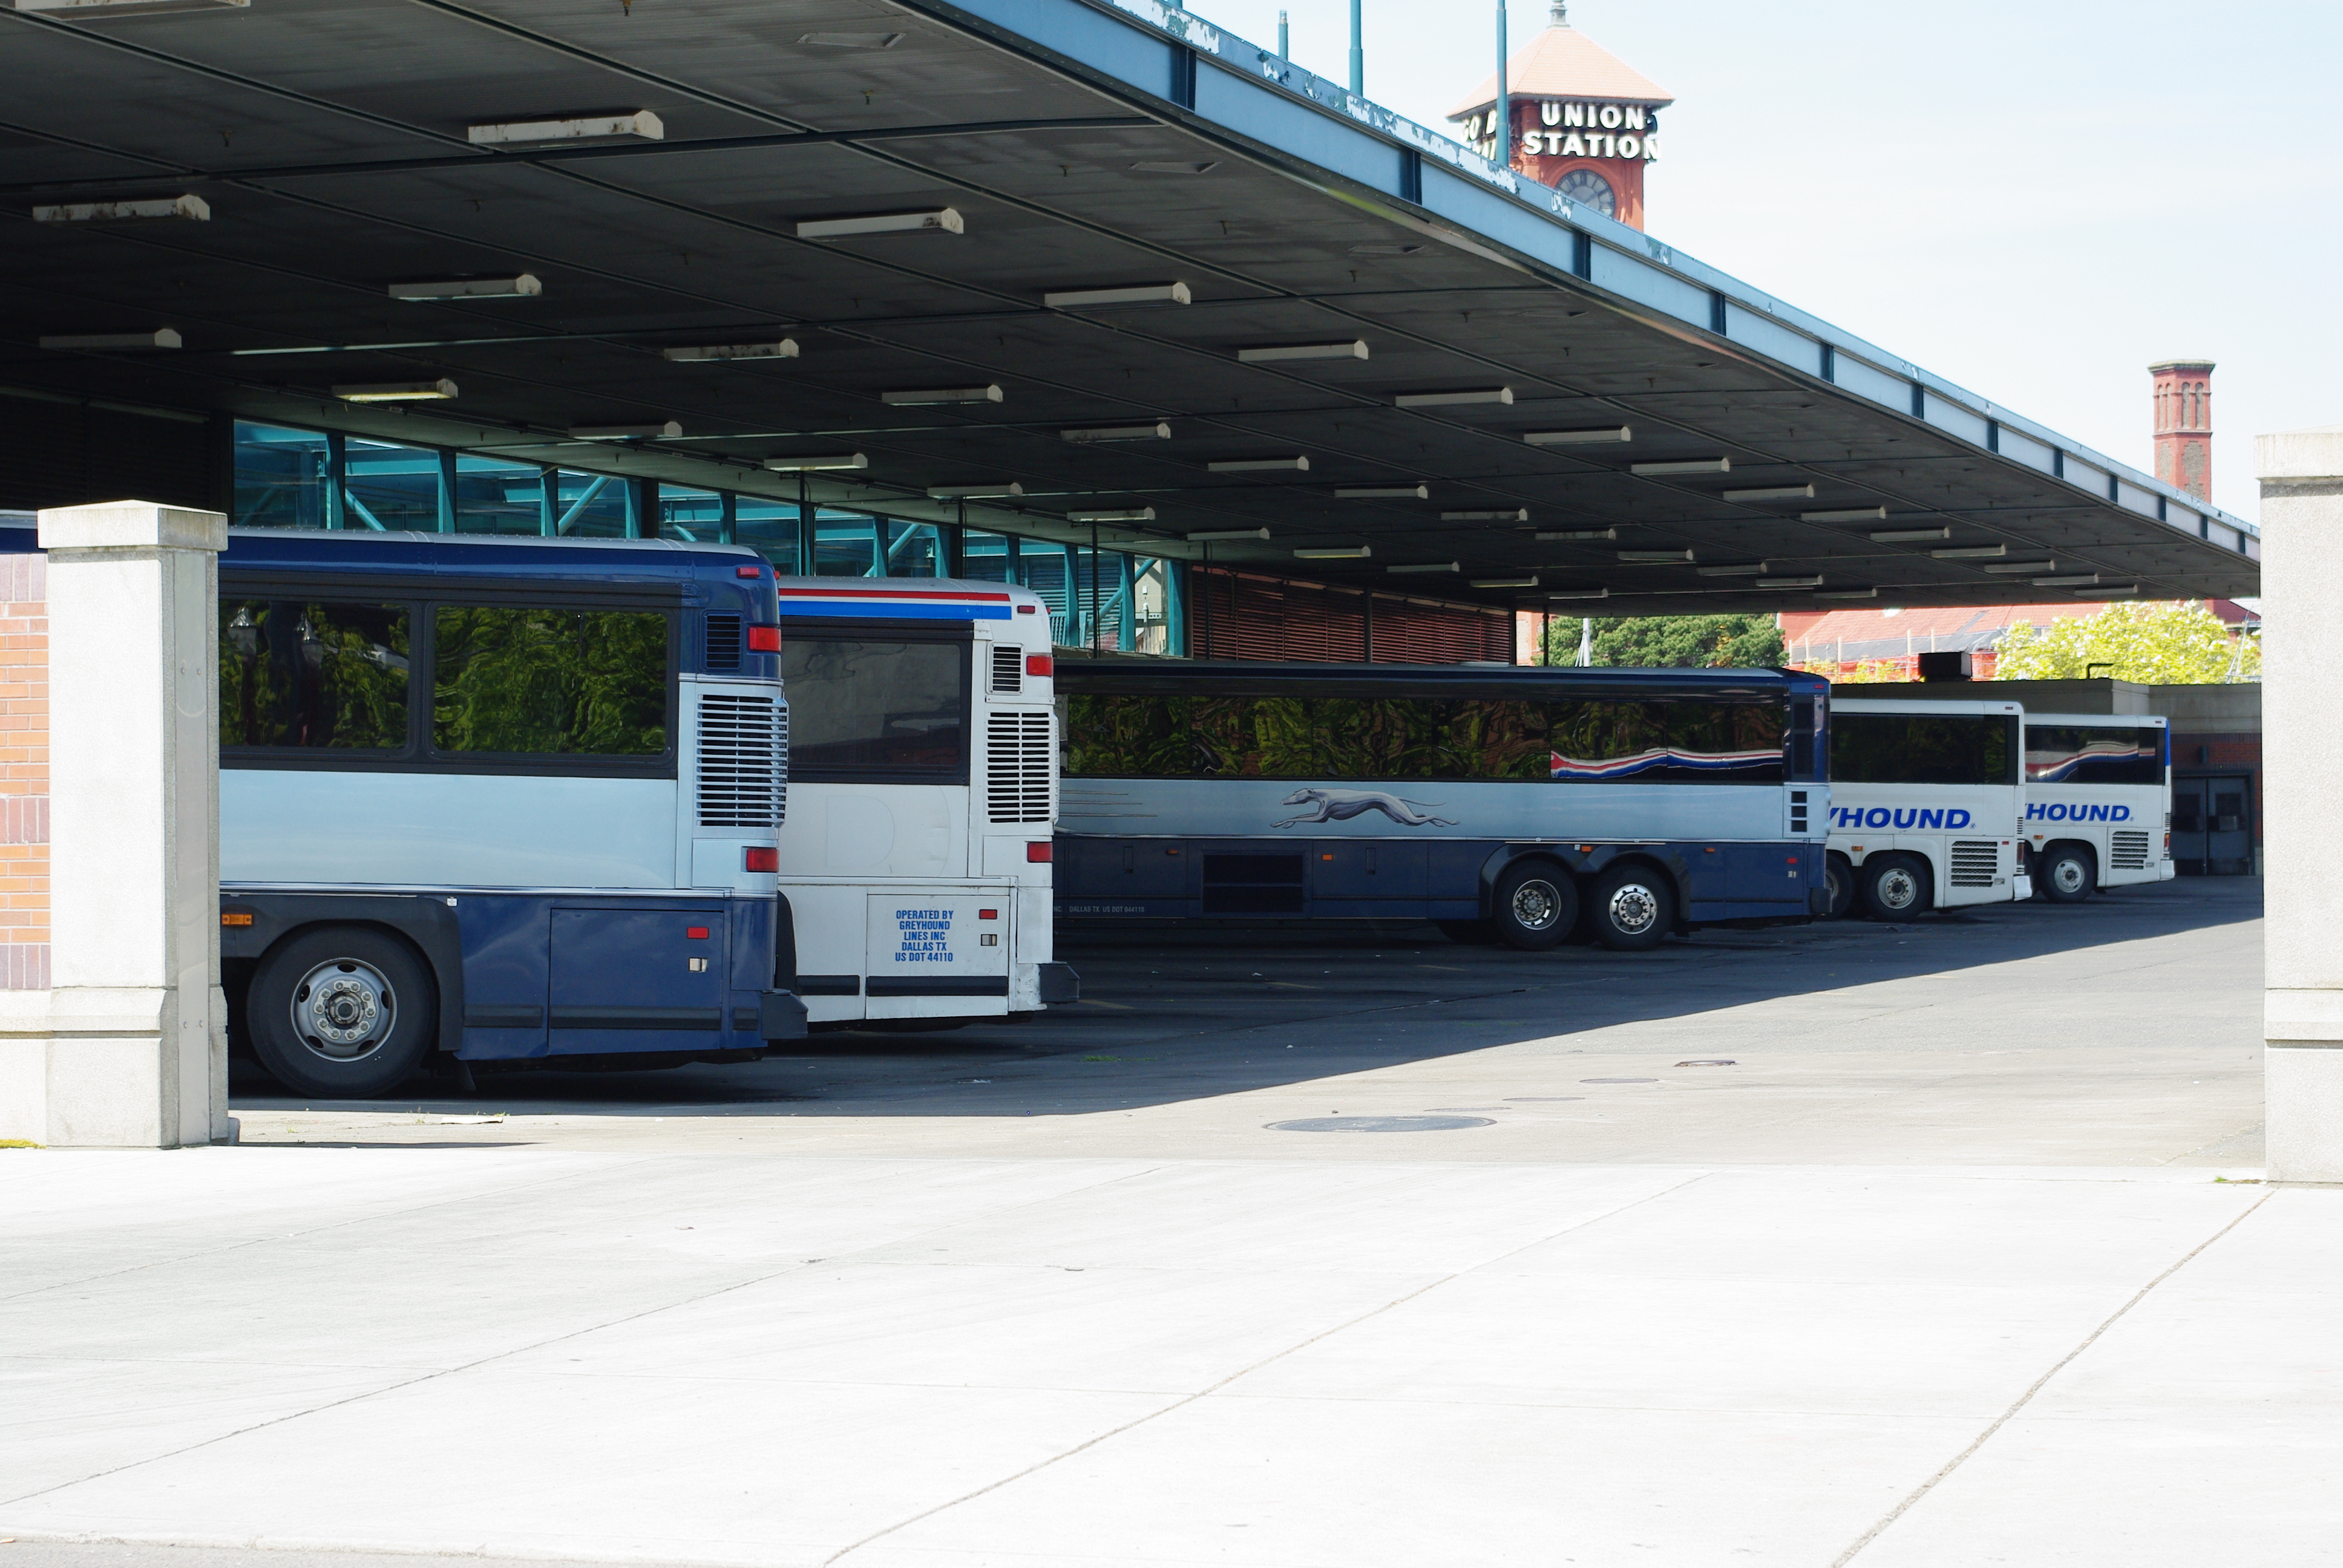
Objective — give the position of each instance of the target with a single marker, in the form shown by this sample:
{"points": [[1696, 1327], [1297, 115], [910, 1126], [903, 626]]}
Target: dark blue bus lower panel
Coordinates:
{"points": [[1430, 879], [551, 975]]}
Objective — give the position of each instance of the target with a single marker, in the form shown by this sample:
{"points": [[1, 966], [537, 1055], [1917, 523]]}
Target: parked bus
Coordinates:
{"points": [[2098, 802], [1510, 803], [505, 799], [923, 777], [1927, 806]]}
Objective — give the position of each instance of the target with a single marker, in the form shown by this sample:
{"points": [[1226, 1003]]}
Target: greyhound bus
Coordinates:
{"points": [[1519, 803], [2098, 802], [1927, 806]]}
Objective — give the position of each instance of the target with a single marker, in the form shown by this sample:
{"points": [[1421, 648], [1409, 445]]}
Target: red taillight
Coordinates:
{"points": [[1037, 854], [764, 639], [1037, 665], [747, 571], [697, 933], [761, 857], [987, 914], [1026, 609]]}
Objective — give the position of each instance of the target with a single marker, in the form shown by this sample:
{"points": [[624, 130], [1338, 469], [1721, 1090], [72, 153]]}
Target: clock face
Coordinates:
{"points": [[1588, 188]]}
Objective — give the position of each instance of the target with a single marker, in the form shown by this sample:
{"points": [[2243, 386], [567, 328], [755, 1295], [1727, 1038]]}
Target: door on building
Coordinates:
{"points": [[2213, 825]]}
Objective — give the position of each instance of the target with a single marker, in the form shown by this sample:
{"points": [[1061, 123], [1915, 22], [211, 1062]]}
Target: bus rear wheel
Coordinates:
{"points": [[1895, 886], [1634, 908], [2067, 875], [1838, 883], [341, 1012], [1535, 905]]}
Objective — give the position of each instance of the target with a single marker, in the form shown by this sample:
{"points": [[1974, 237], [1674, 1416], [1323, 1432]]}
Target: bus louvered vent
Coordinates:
{"points": [[1974, 861], [1008, 671], [724, 642], [1017, 768], [2128, 851], [744, 754]]}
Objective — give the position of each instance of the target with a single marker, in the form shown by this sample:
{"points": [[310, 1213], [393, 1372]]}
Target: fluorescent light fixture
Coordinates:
{"points": [[1125, 515], [1773, 493], [1218, 534], [1422, 566], [998, 487], [1497, 514], [1688, 466], [1656, 557], [2108, 591], [514, 286], [922, 396], [1357, 553], [1159, 431], [1133, 294], [709, 353], [1501, 582], [161, 338], [849, 40], [1272, 353], [1850, 593], [584, 127], [2018, 568], [1814, 581], [1575, 536], [186, 207], [1972, 553], [1447, 399], [1260, 465], [397, 392], [1909, 536], [100, 10], [1846, 515], [939, 220], [1578, 593], [1382, 492], [2079, 580], [1159, 166], [647, 430], [1740, 569], [817, 465], [1579, 438]]}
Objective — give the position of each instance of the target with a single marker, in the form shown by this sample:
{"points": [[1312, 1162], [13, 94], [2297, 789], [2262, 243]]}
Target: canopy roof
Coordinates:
{"points": [[1082, 146]]}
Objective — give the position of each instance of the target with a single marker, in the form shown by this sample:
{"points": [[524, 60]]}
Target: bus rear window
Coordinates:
{"points": [[1921, 748], [539, 680], [313, 676], [874, 709], [2076, 754]]}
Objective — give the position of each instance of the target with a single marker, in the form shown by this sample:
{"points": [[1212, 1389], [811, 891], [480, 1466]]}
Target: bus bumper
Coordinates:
{"points": [[1818, 900], [1060, 983], [779, 1016]]}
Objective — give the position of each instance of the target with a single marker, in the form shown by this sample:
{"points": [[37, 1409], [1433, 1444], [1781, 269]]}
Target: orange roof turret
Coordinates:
{"points": [[1564, 62]]}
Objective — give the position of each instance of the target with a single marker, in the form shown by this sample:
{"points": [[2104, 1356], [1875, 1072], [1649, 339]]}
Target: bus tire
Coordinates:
{"points": [[341, 1012], [1535, 905], [1634, 908], [1838, 881], [1896, 887], [2069, 873]]}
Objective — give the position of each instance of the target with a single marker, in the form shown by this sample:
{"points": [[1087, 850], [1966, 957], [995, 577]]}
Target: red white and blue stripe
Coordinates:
{"points": [[895, 603], [1561, 766]]}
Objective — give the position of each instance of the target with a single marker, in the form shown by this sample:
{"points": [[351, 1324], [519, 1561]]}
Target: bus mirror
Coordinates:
{"points": [[764, 639]]}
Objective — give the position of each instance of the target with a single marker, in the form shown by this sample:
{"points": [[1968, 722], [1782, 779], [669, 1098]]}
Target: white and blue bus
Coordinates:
{"points": [[1518, 803], [2098, 802], [1927, 806]]}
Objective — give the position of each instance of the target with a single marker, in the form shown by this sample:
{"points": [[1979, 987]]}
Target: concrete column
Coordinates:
{"points": [[137, 1047], [2301, 475]]}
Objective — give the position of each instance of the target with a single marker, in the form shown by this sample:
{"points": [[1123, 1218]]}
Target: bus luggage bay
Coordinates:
{"points": [[1506, 801], [1927, 800], [2098, 802]]}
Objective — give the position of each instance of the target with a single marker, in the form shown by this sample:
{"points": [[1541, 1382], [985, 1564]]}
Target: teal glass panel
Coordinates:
{"points": [[983, 558], [914, 550], [387, 485], [692, 516], [493, 495], [590, 505], [768, 527], [845, 545], [281, 477]]}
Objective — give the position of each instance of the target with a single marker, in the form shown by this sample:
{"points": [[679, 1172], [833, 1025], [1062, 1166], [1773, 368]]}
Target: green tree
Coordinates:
{"points": [[2175, 644], [1679, 641]]}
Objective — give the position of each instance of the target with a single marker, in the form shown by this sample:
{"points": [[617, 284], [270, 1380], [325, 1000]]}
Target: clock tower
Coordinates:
{"points": [[1583, 121]]}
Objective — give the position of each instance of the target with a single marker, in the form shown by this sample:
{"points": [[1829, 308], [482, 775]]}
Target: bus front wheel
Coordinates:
{"points": [[1535, 905], [2067, 875], [1895, 886], [1838, 883], [1634, 909], [341, 1012]]}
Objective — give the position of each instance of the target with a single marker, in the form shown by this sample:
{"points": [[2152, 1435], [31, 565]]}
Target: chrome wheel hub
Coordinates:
{"points": [[1634, 908], [342, 1010], [2068, 874], [1899, 888], [1537, 906]]}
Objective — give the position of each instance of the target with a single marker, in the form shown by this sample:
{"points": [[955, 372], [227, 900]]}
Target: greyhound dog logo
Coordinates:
{"points": [[1341, 805]]}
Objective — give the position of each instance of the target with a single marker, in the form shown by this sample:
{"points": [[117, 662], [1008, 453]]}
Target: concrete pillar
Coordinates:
{"points": [[137, 1036], [2301, 475]]}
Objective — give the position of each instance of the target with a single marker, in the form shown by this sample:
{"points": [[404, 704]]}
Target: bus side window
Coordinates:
{"points": [[542, 680], [311, 674]]}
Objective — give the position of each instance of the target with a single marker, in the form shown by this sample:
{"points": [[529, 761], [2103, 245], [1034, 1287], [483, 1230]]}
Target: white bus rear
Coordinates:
{"points": [[1927, 809], [2098, 802]]}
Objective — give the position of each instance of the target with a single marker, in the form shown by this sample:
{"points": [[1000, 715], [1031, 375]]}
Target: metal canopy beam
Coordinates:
{"points": [[1147, 149]]}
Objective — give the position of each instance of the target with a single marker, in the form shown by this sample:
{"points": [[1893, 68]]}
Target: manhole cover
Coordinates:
{"points": [[1380, 1124], [1618, 1080]]}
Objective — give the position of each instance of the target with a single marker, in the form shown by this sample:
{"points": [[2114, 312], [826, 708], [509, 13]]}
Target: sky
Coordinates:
{"points": [[2035, 201]]}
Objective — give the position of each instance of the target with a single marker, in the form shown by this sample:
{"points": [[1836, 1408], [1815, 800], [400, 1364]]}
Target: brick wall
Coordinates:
{"points": [[24, 773]]}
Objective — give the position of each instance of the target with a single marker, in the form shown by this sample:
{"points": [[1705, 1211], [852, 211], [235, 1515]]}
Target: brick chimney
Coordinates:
{"points": [[2184, 425]]}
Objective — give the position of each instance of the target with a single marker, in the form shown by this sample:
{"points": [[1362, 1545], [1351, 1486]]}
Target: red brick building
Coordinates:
{"points": [[2184, 425]]}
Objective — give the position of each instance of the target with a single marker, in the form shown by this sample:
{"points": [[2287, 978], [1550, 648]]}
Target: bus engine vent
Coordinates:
{"points": [[723, 642], [2128, 851], [1016, 767], [1975, 861], [744, 754], [1008, 671]]}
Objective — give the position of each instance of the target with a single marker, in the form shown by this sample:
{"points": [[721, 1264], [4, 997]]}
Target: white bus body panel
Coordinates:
{"points": [[2127, 826], [1968, 834]]}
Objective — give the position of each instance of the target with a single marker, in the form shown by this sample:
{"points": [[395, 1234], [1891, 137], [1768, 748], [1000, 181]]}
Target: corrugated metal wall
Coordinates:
{"points": [[1244, 615]]}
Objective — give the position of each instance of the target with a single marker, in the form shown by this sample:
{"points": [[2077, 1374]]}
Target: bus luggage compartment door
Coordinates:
{"points": [[935, 955], [637, 979]]}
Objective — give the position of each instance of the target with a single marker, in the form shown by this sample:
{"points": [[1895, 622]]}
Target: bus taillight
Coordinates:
{"points": [[1037, 854], [761, 857], [1037, 665], [764, 639]]}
